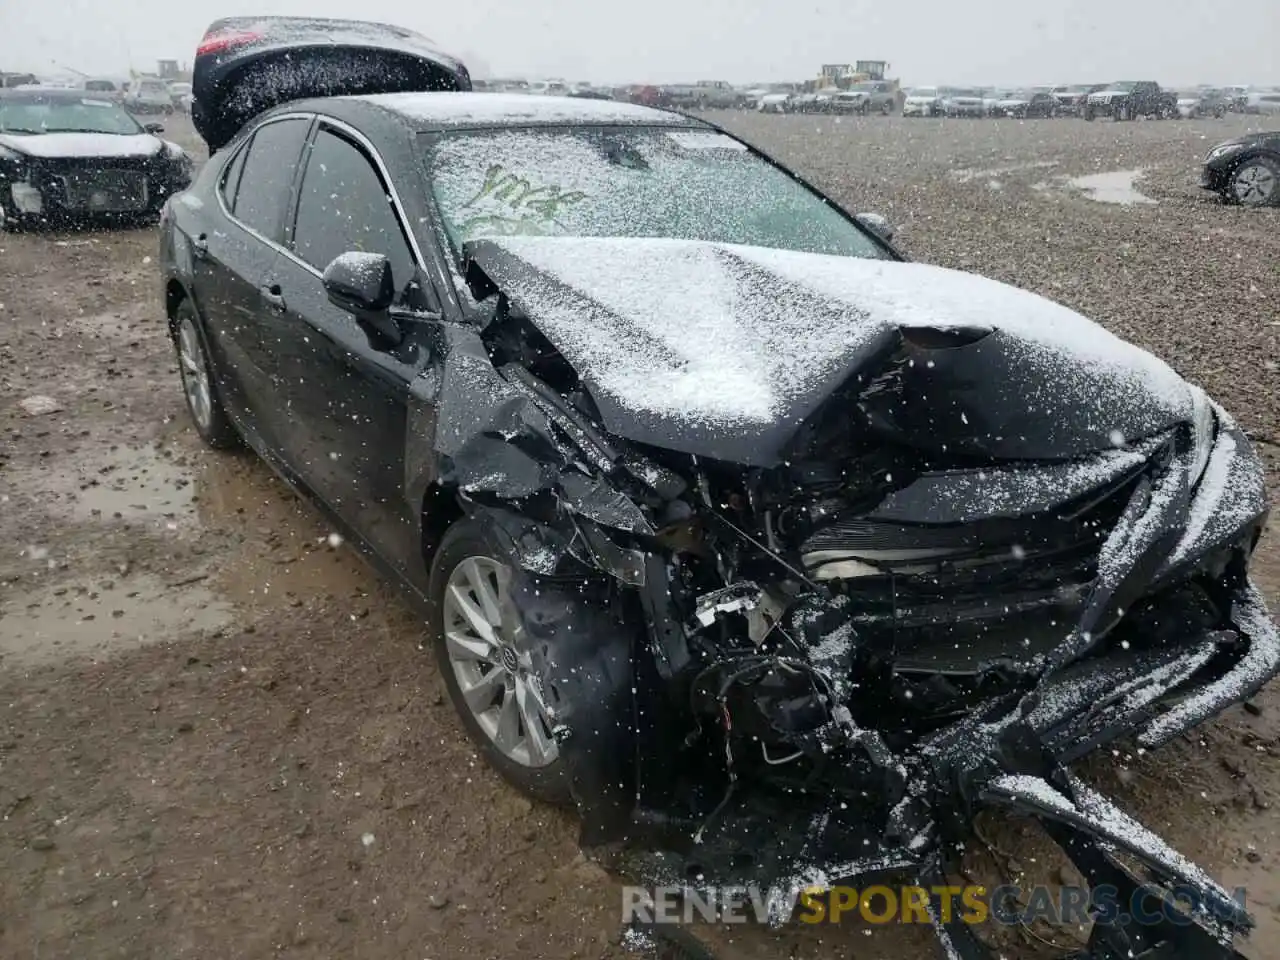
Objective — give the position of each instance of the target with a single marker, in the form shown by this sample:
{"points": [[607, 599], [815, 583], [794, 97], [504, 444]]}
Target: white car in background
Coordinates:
{"points": [[148, 95], [180, 93], [1263, 101], [549, 88], [774, 103], [962, 102], [922, 102]]}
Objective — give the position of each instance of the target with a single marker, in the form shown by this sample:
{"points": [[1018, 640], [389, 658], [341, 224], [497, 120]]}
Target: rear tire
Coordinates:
{"points": [[485, 666], [198, 384]]}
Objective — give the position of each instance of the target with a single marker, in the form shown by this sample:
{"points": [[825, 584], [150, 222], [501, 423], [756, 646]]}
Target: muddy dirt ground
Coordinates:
{"points": [[220, 735]]}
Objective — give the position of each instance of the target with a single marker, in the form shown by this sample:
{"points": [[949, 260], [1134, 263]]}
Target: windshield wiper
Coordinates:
{"points": [[114, 133], [18, 130]]}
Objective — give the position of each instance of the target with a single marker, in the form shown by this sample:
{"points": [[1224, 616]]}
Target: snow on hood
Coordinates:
{"points": [[744, 341], [54, 145]]}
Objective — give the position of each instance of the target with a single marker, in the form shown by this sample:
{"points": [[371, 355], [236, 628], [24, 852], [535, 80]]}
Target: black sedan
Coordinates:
{"points": [[766, 548], [67, 155], [1028, 103], [1245, 170]]}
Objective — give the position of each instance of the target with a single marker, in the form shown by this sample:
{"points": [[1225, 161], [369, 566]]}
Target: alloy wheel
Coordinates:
{"points": [[195, 373], [1254, 184], [485, 641]]}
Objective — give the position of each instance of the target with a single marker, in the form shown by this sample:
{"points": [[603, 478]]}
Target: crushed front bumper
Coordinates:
{"points": [[1012, 755]]}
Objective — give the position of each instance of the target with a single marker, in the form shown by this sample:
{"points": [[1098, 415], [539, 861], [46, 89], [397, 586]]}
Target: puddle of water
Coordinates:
{"points": [[135, 484], [1115, 186], [965, 174], [98, 617], [296, 556]]}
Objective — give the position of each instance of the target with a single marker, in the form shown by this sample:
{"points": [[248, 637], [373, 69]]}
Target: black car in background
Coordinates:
{"points": [[1071, 99], [769, 550], [1245, 170], [1131, 99], [1024, 104], [69, 155]]}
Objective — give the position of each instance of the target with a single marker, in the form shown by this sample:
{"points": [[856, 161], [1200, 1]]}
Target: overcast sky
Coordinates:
{"points": [[925, 41]]}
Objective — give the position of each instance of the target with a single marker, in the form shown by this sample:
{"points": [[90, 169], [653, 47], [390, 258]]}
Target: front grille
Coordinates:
{"points": [[997, 587], [105, 191]]}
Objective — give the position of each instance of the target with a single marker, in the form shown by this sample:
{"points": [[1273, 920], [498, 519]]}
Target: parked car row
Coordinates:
{"points": [[140, 95]]}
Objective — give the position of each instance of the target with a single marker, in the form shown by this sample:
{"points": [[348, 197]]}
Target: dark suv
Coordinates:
{"points": [[1130, 99]]}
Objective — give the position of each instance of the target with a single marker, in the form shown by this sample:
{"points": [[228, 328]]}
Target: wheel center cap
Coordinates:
{"points": [[510, 662]]}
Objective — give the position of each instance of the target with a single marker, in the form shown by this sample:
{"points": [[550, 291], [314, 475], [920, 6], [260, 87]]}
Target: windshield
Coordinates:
{"points": [[633, 182], [966, 92], [863, 87], [45, 115], [923, 92], [1124, 85]]}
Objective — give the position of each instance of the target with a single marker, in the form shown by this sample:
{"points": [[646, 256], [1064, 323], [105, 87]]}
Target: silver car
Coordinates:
{"points": [[148, 95], [962, 102]]}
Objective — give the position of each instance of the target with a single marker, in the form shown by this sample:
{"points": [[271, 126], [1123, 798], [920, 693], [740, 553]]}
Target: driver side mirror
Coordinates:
{"points": [[877, 225], [153, 127], [361, 284]]}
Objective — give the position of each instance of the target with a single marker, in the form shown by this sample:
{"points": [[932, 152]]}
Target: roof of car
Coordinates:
{"points": [[29, 91], [451, 109]]}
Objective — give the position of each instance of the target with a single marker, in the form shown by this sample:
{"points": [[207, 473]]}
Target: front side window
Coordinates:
{"points": [[262, 195], [36, 114], [631, 182], [344, 206]]}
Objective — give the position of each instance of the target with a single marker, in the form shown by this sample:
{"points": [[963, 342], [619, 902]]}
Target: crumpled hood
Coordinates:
{"points": [[55, 145], [722, 350]]}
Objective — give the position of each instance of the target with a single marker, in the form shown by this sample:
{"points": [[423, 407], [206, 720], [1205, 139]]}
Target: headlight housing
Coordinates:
{"points": [[1204, 431]]}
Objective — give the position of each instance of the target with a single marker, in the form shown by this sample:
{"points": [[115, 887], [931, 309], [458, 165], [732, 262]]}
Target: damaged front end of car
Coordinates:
{"points": [[822, 668]]}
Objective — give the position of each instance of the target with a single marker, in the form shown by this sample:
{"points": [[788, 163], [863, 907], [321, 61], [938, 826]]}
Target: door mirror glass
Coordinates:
{"points": [[877, 225], [153, 127]]}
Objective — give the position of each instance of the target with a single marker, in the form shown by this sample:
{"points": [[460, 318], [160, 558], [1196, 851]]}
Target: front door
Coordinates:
{"points": [[346, 390]]}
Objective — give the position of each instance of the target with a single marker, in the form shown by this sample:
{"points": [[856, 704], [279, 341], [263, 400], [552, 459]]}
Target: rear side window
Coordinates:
{"points": [[231, 178], [271, 160], [343, 205]]}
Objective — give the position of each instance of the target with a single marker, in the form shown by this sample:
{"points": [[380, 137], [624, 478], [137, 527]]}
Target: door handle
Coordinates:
{"points": [[200, 246], [273, 297]]}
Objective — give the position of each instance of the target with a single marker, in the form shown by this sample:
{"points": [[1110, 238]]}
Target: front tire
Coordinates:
{"points": [[482, 649], [198, 386], [1255, 183]]}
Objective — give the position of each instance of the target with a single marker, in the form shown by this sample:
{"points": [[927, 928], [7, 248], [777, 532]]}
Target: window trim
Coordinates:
{"points": [[248, 143], [363, 145]]}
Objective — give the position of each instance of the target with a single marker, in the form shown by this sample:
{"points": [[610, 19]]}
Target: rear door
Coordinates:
{"points": [[346, 391], [231, 274]]}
